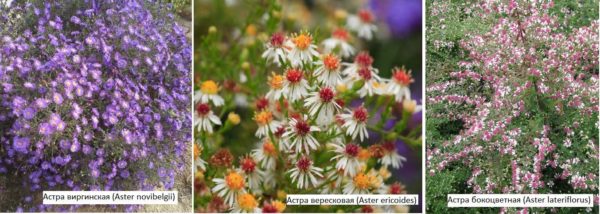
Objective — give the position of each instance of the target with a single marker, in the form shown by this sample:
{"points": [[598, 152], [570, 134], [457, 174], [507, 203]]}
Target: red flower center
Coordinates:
{"points": [[365, 16], [326, 94], [293, 75], [202, 109], [361, 114], [303, 163], [396, 188], [363, 59], [268, 208], [389, 146], [402, 77], [277, 39], [248, 165], [365, 73], [262, 103], [352, 149], [280, 131], [340, 102], [340, 33], [302, 127]]}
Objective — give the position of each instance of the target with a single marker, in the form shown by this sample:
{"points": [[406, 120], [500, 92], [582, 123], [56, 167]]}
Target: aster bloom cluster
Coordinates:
{"points": [[526, 101], [328, 124], [94, 96]]}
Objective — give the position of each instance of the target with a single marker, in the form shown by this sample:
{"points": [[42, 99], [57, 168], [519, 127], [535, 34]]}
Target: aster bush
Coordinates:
{"points": [[283, 108], [512, 101], [95, 95]]}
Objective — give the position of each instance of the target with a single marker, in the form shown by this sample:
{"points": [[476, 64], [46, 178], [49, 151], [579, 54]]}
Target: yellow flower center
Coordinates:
{"points": [[361, 181], [280, 206], [209, 87], [302, 41], [247, 202], [331, 62], [364, 154], [263, 117], [269, 149], [276, 81], [234, 181]]}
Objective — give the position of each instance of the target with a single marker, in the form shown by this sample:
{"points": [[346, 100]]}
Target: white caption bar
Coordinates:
{"points": [[337, 199], [110, 197], [520, 200]]}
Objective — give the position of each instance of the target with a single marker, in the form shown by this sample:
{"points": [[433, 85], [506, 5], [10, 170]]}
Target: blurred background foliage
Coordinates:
{"points": [[230, 34]]}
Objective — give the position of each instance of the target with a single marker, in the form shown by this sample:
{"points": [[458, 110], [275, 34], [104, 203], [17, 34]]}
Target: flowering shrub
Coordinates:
{"points": [[95, 96], [321, 119], [519, 111]]}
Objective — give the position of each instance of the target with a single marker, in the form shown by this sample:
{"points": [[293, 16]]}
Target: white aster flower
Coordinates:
{"points": [[362, 24], [209, 92], [305, 173], [355, 122], [328, 70], [204, 118], [322, 105], [339, 38], [361, 60], [302, 50], [230, 187], [253, 174], [361, 183], [298, 135], [276, 49], [391, 156], [399, 84], [295, 86], [265, 122], [266, 154], [276, 82], [246, 203], [346, 157]]}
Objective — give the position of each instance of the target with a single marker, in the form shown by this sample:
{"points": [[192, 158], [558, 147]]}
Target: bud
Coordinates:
{"points": [[212, 29], [341, 88], [245, 65], [233, 118], [340, 14], [251, 30], [409, 105], [281, 194]]}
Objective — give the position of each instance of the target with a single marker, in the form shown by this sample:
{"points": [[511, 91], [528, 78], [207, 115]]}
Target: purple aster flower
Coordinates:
{"points": [[100, 152], [95, 173], [57, 98], [46, 165], [29, 113], [46, 129], [122, 164], [57, 122], [18, 102], [162, 172], [65, 144], [41, 103], [21, 144], [75, 146], [125, 174], [86, 149]]}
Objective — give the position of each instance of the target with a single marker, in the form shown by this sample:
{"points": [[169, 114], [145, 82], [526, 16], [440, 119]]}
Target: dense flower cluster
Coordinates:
{"points": [[317, 107], [95, 95], [526, 98]]}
